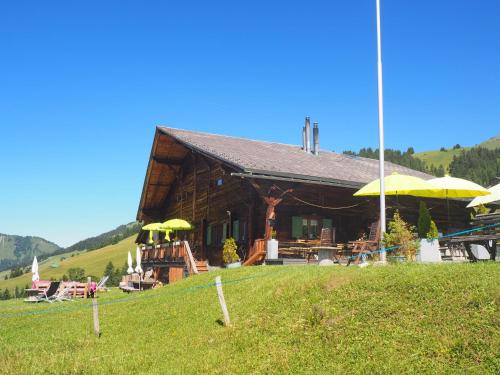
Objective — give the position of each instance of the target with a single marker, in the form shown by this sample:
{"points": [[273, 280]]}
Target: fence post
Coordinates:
{"points": [[95, 314], [222, 301]]}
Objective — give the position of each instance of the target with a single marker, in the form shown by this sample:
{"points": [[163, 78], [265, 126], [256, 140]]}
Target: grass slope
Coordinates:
{"points": [[94, 262], [444, 158], [317, 320]]}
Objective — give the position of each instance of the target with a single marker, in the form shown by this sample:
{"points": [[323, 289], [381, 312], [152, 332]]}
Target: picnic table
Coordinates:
{"points": [[487, 236]]}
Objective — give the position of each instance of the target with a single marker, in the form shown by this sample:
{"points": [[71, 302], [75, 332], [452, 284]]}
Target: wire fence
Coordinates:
{"points": [[69, 307]]}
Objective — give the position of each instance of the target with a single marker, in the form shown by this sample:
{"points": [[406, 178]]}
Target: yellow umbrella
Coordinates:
{"points": [[153, 226], [397, 184], [453, 187], [159, 227], [177, 224], [485, 199]]}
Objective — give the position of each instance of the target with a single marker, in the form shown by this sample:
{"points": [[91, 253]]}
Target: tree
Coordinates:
{"points": [[456, 147], [442, 149], [6, 294], [424, 220], [76, 274], [478, 164]]}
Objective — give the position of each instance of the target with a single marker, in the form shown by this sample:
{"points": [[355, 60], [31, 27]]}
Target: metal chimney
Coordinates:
{"points": [[304, 138], [308, 135], [315, 139]]}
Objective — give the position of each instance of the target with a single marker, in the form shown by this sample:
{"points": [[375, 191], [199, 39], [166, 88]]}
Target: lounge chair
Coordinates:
{"points": [[362, 247], [46, 295]]}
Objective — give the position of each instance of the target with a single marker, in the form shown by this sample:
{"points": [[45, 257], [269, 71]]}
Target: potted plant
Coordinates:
{"points": [[401, 234], [428, 234], [229, 255]]}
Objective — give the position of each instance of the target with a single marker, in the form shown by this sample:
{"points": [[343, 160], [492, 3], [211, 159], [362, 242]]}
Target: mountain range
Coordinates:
{"points": [[18, 251]]}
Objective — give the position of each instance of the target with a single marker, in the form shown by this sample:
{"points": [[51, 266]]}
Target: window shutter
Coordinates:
{"points": [[236, 230], [296, 227], [224, 231], [209, 235], [327, 223]]}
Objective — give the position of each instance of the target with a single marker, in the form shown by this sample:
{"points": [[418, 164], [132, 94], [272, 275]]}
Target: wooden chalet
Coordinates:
{"points": [[249, 190]]}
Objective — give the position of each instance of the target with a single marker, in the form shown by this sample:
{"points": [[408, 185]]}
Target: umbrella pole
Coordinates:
{"points": [[448, 211]]}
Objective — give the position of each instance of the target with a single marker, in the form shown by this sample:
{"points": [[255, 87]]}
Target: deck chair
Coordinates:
{"points": [[365, 246], [46, 295], [102, 283], [62, 295]]}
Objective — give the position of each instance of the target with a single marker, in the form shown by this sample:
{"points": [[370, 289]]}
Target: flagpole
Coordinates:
{"points": [[381, 131]]}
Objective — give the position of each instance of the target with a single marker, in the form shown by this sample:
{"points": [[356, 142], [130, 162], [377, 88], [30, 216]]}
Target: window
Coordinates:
{"points": [[209, 235], [236, 230], [310, 229]]}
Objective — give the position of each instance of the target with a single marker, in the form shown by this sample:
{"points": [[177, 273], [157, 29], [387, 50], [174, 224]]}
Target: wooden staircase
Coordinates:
{"points": [[202, 266], [257, 254]]}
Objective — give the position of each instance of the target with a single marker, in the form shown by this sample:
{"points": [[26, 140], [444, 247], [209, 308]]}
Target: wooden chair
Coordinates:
{"points": [[365, 246], [327, 237]]}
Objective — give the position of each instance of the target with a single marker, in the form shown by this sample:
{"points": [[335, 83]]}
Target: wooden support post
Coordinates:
{"points": [[222, 301], [95, 314]]}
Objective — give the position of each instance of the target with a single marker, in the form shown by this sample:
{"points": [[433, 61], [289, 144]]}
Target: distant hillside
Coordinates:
{"points": [[108, 238], [93, 263], [19, 250], [445, 157]]}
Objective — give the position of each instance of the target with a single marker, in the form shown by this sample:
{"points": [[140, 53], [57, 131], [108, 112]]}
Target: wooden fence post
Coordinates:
{"points": [[222, 301], [95, 314]]}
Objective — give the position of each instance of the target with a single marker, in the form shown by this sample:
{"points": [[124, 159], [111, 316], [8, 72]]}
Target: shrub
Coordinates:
{"points": [[229, 254], [432, 234], [401, 234], [424, 220]]}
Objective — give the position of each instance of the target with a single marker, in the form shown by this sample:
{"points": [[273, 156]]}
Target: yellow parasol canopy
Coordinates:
{"points": [[485, 199], [153, 226], [398, 184], [176, 224], [453, 187]]}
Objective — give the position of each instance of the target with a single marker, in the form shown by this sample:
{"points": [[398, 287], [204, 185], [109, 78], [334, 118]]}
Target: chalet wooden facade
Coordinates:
{"points": [[248, 190]]}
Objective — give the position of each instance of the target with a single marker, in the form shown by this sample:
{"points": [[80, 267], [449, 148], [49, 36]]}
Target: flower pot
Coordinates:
{"points": [[429, 251], [233, 265]]}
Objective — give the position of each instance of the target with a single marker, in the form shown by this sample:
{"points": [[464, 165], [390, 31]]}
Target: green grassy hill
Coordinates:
{"points": [[408, 319], [16, 250], [93, 262], [444, 158]]}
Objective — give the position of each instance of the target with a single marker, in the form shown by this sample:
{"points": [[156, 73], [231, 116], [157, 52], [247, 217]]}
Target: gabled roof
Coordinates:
{"points": [[258, 159], [279, 159]]}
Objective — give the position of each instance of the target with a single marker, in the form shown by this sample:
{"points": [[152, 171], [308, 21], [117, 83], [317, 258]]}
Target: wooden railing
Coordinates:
{"points": [[163, 253]]}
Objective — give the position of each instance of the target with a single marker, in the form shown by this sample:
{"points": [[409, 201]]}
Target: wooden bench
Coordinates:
{"points": [[488, 236]]}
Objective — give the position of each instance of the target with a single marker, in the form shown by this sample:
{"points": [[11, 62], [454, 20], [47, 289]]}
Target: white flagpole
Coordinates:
{"points": [[381, 131]]}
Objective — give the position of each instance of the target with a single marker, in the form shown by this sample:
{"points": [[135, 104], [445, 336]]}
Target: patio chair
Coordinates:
{"points": [[362, 247], [46, 295], [101, 285]]}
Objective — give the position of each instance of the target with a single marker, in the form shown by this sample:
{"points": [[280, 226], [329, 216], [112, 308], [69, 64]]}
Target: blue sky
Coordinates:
{"points": [[83, 85]]}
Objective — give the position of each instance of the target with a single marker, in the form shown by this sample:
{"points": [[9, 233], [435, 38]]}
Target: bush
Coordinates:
{"points": [[77, 274], [229, 254], [401, 234], [433, 233]]}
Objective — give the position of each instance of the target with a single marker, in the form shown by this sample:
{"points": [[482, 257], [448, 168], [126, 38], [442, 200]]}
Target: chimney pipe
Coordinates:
{"points": [[315, 139], [304, 138], [308, 135]]}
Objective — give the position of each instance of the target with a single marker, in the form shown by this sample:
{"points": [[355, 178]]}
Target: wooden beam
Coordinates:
{"points": [[168, 161]]}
